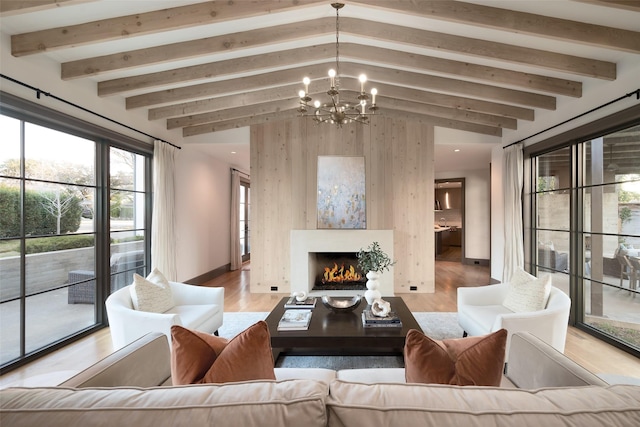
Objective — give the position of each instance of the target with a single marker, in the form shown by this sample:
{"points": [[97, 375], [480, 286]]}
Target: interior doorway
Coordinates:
{"points": [[244, 211], [449, 213]]}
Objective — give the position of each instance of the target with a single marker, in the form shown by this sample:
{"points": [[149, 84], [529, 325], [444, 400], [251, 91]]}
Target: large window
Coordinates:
{"points": [[585, 229], [63, 193]]}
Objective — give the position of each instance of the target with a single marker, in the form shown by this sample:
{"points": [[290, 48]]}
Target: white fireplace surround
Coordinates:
{"points": [[304, 242]]}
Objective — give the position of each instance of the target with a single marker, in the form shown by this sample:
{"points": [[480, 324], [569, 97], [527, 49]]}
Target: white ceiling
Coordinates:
{"points": [[232, 145]]}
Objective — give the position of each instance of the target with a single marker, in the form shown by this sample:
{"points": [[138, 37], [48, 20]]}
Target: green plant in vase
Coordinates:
{"points": [[373, 261]]}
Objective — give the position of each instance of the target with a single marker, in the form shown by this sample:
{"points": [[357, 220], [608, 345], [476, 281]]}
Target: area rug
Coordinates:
{"points": [[438, 325]]}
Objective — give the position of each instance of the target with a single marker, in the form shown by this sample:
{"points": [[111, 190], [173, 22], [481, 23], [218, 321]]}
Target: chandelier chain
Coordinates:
{"points": [[337, 47]]}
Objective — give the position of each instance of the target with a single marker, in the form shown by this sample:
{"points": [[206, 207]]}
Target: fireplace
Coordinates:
{"points": [[335, 244], [336, 271]]}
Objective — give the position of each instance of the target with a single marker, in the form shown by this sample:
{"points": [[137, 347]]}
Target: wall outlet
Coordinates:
{"points": [[476, 262], [274, 288], [413, 288]]}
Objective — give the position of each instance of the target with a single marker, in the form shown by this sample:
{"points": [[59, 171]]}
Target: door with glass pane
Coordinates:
{"points": [[245, 230], [585, 230], [127, 217], [47, 237]]}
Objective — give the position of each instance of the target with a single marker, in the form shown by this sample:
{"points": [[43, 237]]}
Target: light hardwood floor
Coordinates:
{"points": [[589, 352]]}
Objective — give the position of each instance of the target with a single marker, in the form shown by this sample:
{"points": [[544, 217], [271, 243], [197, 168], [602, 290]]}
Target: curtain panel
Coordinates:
{"points": [[163, 220], [512, 183]]}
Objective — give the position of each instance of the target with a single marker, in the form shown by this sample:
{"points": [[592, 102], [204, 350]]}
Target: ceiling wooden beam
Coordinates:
{"points": [[389, 103], [145, 23], [222, 102], [447, 113], [347, 50], [17, 7], [497, 75], [273, 94], [481, 48], [358, 27], [633, 5], [283, 58], [193, 48], [284, 115], [399, 77], [222, 87], [518, 22], [235, 113], [449, 85]]}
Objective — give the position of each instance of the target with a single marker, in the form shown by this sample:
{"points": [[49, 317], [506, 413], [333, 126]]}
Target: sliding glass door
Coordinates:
{"points": [[585, 230], [74, 212]]}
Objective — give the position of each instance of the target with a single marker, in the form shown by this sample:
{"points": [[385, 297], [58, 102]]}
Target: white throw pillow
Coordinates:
{"points": [[152, 294], [527, 292]]}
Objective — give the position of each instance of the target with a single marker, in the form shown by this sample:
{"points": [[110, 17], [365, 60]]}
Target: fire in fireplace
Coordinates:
{"points": [[337, 271]]}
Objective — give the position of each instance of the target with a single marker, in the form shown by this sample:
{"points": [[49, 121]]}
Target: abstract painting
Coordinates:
{"points": [[341, 192]]}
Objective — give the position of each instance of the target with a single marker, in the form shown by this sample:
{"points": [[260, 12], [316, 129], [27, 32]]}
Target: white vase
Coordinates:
{"points": [[372, 293]]}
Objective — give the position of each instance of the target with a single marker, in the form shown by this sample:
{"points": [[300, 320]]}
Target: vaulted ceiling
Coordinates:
{"points": [[481, 66]]}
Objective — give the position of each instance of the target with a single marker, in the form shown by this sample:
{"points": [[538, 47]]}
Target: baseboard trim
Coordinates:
{"points": [[204, 278], [475, 261]]}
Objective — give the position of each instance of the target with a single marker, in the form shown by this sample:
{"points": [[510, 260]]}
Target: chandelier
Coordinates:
{"points": [[335, 111]]}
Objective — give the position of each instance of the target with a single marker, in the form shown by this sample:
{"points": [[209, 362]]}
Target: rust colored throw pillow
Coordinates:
{"points": [[201, 358], [462, 361]]}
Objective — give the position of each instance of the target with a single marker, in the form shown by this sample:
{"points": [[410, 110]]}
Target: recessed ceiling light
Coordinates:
{"points": [[456, 150], [233, 152]]}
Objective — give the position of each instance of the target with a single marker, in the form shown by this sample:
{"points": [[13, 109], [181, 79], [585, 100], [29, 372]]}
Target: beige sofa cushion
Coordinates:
{"points": [[366, 405], [287, 403]]}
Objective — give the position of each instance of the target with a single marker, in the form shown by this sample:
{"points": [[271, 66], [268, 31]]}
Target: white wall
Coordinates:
{"points": [[203, 212]]}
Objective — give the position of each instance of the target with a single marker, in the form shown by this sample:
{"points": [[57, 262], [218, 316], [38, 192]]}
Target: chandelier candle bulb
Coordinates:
{"points": [[306, 82], [332, 76], [363, 80], [374, 92]]}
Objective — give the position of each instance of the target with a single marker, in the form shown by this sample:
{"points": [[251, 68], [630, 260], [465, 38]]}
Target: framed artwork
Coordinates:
{"points": [[341, 192]]}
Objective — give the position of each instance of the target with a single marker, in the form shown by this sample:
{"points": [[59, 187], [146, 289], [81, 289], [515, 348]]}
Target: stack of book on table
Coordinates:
{"points": [[390, 321], [305, 303], [295, 320]]}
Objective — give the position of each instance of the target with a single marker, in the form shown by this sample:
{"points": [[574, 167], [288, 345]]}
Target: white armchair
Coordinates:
{"points": [[196, 307], [480, 311]]}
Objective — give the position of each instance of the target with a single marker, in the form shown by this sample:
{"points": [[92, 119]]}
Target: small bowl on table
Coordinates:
{"points": [[341, 304]]}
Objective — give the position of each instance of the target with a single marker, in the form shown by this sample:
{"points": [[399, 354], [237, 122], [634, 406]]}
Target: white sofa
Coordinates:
{"points": [[196, 307], [480, 311], [133, 387]]}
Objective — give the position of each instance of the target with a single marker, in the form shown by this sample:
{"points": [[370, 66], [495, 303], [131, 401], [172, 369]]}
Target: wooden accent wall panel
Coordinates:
{"points": [[399, 178]]}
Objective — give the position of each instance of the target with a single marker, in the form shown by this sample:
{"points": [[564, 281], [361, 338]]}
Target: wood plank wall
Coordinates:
{"points": [[400, 192]]}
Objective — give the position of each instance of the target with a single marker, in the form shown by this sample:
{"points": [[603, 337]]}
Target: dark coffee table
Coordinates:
{"points": [[341, 333]]}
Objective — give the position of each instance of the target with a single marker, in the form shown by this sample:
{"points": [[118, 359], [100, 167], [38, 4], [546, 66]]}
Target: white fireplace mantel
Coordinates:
{"points": [[304, 242]]}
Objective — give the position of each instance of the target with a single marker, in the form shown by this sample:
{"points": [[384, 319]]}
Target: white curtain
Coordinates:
{"points": [[512, 182], [236, 255], [163, 220]]}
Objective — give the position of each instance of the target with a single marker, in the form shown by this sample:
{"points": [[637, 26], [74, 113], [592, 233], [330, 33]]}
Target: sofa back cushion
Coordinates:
{"points": [[143, 363], [286, 403], [366, 405], [552, 368]]}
